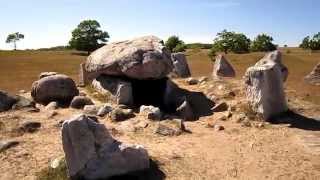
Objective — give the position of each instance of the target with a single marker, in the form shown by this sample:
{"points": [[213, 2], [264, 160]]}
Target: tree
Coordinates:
{"points": [[263, 42], [227, 41], [174, 44], [305, 43], [88, 36], [311, 43], [13, 38]]}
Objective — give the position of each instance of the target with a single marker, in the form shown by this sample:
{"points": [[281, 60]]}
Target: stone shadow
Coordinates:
{"points": [[297, 121]]}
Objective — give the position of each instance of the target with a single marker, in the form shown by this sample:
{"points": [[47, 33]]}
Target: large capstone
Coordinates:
{"points": [[314, 76], [59, 88], [222, 68], [140, 58], [181, 68], [92, 153], [264, 89]]}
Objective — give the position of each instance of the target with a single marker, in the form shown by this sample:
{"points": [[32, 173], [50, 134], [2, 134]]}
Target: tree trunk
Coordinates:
{"points": [[15, 45]]}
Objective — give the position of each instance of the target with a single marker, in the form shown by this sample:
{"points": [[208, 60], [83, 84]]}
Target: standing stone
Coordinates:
{"points": [[60, 88], [222, 68], [140, 58], [92, 153], [180, 64], [314, 76], [6, 101], [276, 58], [264, 89]]}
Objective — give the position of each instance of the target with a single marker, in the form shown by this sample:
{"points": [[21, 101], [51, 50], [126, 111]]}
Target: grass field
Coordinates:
{"points": [[19, 69]]}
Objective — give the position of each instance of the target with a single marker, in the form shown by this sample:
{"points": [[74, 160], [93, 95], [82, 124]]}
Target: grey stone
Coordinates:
{"points": [[46, 74], [140, 58], [264, 89], [92, 153], [181, 68], [222, 68], [78, 102], [30, 126], [60, 88], [153, 113], [119, 114], [6, 144], [192, 81], [203, 79], [91, 109], [23, 102], [170, 127], [314, 76], [52, 106], [6, 101], [104, 110]]}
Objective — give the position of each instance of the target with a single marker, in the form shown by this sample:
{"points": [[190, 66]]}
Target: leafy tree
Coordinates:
{"points": [[212, 54], [228, 41], [263, 42], [174, 44], [305, 43], [13, 38], [88, 36]]}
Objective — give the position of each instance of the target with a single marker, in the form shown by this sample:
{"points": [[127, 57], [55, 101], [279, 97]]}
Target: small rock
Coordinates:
{"points": [[57, 163], [203, 79], [23, 102], [4, 145], [166, 131], [170, 127], [239, 117], [52, 106], [192, 81], [218, 127], [246, 123], [6, 101], [220, 107], [91, 109], [46, 74], [22, 91], [30, 126], [104, 110], [121, 114], [78, 102], [51, 114], [153, 113], [31, 109]]}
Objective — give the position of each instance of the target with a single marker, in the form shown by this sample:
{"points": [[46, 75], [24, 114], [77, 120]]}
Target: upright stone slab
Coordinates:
{"points": [[222, 68], [314, 76], [92, 153], [181, 68], [264, 89]]}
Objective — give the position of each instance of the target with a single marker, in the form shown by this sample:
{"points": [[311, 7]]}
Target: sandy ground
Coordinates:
{"points": [[256, 151]]}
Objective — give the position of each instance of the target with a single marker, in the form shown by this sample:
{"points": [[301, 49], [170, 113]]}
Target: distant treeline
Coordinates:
{"points": [[55, 48]]}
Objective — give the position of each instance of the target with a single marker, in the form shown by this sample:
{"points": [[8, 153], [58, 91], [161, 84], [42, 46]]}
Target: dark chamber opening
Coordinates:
{"points": [[149, 92]]}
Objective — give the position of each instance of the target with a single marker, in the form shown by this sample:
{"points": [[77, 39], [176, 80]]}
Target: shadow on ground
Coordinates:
{"points": [[297, 121], [153, 173]]}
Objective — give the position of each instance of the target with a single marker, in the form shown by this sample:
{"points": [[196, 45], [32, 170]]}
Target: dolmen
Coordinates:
{"points": [[314, 76], [264, 86], [222, 68]]}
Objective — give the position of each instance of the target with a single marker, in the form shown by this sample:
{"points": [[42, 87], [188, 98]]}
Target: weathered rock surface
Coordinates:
{"points": [[60, 88], [119, 114], [92, 153], [170, 127], [104, 110], [4, 145], [275, 57], [140, 58], [264, 89], [120, 89], [314, 76], [52, 106], [30, 126], [23, 102], [6, 101], [153, 113], [222, 68], [78, 102], [46, 74], [91, 109], [181, 67]]}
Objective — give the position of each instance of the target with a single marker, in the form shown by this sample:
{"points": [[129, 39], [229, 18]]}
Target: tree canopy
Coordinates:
{"points": [[88, 36], [311, 43], [13, 38], [227, 41], [263, 42], [174, 44]]}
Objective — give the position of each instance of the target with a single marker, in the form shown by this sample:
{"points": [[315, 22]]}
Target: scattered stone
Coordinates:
{"points": [[92, 153], [170, 127], [104, 110], [314, 76], [181, 68], [60, 88], [23, 102], [239, 117], [6, 101], [264, 89], [192, 81], [153, 113], [51, 106], [30, 126], [203, 79], [57, 163], [46, 74], [91, 109], [218, 127], [52, 114], [121, 114], [31, 110], [222, 68], [220, 107], [246, 123], [6, 144], [78, 102]]}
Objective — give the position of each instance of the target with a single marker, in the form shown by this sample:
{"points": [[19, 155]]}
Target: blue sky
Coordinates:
{"points": [[49, 23]]}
